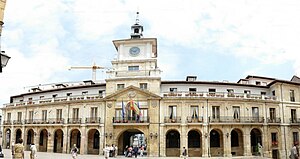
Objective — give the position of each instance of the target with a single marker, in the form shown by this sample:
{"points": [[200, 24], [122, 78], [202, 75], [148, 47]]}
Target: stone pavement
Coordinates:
{"points": [[47, 155]]}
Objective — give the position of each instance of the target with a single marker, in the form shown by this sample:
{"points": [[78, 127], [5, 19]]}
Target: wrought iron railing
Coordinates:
{"points": [[93, 120], [191, 119], [169, 119], [74, 120], [134, 119], [273, 120], [231, 119]]}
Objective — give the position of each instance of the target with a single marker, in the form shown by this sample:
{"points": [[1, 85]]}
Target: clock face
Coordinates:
{"points": [[134, 51]]}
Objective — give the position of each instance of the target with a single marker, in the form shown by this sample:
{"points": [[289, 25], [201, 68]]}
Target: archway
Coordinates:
{"points": [[7, 141], [93, 141], [43, 142], [30, 138], [131, 137], [58, 141], [255, 139], [237, 143], [194, 144], [173, 143], [75, 139], [18, 135], [216, 143]]}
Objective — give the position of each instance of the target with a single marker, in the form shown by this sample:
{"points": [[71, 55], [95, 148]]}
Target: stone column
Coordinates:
{"points": [[36, 138], [50, 142], [102, 139], [83, 141], [162, 141], [247, 142], [183, 138], [227, 144]]}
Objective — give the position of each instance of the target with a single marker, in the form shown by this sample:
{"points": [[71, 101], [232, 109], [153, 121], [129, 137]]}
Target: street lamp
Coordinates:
{"points": [[4, 59]]}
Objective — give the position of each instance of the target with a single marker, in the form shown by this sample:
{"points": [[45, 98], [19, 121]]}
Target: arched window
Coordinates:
{"points": [[214, 139], [173, 139], [96, 140], [41, 138], [194, 139], [234, 139]]}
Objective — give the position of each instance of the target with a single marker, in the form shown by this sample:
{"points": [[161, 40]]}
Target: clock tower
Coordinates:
{"points": [[136, 60]]}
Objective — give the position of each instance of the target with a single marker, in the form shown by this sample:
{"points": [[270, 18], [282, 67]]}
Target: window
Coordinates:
{"points": [[263, 93], [101, 92], [173, 89], [69, 94], [192, 90], [230, 92], [19, 116], [234, 139], [295, 137], [133, 68], [143, 85], [292, 95], [144, 115], [118, 113], [94, 112], [172, 112], [273, 93], [215, 112], [44, 115], [236, 112], [258, 83], [120, 86], [293, 116], [194, 111], [255, 112], [274, 138], [75, 113], [96, 140], [84, 93], [272, 114], [54, 95], [211, 91], [30, 115], [214, 139], [247, 92], [8, 116], [58, 114]]}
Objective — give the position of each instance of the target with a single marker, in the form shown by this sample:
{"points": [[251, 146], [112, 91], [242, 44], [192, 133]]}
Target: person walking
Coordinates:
{"points": [[142, 151], [18, 150], [106, 152], [135, 151], [294, 154], [33, 151], [116, 151], [74, 151]]}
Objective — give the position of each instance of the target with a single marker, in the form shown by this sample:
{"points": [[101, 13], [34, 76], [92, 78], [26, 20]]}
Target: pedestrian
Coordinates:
{"points": [[260, 149], [126, 151], [116, 150], [294, 154], [18, 149], [33, 151], [74, 151], [12, 147], [184, 153], [106, 152], [142, 151], [135, 151]]}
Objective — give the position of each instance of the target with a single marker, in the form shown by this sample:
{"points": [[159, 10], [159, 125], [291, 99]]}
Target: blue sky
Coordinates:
{"points": [[215, 40]]}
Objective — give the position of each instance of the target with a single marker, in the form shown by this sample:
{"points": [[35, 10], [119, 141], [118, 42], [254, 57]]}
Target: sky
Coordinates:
{"points": [[214, 40]]}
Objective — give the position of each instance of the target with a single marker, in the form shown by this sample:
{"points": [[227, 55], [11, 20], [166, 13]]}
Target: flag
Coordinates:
{"points": [[123, 110], [134, 107]]}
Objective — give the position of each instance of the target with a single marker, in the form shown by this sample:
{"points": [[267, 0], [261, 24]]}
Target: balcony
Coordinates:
{"points": [[194, 119], [231, 119], [273, 120], [44, 121], [128, 120], [230, 95], [295, 121], [18, 122], [56, 100], [7, 122], [92, 120], [274, 143], [74, 120], [169, 119]]}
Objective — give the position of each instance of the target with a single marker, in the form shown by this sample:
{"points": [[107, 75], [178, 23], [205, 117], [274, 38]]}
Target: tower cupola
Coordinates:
{"points": [[137, 29]]}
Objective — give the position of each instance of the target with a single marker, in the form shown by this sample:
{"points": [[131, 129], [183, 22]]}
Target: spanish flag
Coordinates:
{"points": [[134, 107]]}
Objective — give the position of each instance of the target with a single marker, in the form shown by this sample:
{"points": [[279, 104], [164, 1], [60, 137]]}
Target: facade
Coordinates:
{"points": [[135, 107]]}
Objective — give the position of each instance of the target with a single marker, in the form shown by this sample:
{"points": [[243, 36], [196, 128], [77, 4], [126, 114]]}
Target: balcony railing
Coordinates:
{"points": [[176, 119], [295, 120], [231, 119], [93, 120], [7, 122], [45, 121], [194, 119], [274, 143], [56, 99], [142, 119], [74, 120], [218, 95], [273, 120], [18, 122]]}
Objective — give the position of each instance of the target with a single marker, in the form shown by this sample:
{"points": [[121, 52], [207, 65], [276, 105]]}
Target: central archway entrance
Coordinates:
{"points": [[255, 140], [194, 144], [173, 143], [132, 137], [58, 141]]}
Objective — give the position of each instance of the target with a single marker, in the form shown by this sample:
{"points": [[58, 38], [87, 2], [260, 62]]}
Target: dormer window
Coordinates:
{"points": [[136, 30], [258, 83], [54, 95], [85, 93]]}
